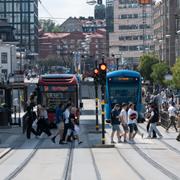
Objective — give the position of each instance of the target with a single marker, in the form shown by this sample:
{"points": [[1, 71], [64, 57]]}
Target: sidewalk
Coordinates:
{"points": [[9, 138]]}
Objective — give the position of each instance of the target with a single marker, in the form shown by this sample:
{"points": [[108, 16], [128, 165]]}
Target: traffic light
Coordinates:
{"points": [[96, 75], [102, 73]]}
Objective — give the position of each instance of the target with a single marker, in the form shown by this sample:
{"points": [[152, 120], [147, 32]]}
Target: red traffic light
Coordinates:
{"points": [[103, 67]]}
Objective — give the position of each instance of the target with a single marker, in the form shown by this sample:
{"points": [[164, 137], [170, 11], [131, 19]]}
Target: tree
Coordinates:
{"points": [[176, 74], [48, 25], [145, 66], [158, 72]]}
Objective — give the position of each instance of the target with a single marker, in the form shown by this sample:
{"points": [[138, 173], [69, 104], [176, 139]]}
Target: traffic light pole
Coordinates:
{"points": [[103, 112], [96, 94]]}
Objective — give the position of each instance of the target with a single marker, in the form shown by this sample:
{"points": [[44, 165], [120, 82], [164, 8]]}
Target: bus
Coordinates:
{"points": [[123, 86], [53, 89]]}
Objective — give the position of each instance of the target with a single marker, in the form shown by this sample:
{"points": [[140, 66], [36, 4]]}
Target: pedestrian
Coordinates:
{"points": [[178, 123], [124, 120], [149, 120], [30, 119], [132, 122], [42, 124], [73, 129], [66, 115], [172, 116], [154, 118], [115, 123], [59, 124]]}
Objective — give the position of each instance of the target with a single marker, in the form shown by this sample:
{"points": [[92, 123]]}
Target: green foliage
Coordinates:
{"points": [[176, 74], [48, 25], [145, 66], [158, 72]]}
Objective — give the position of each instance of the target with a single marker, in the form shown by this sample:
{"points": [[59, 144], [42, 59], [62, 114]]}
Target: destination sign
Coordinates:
{"points": [[58, 88]]}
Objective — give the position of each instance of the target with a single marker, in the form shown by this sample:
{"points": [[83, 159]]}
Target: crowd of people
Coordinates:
{"points": [[124, 117], [67, 122]]}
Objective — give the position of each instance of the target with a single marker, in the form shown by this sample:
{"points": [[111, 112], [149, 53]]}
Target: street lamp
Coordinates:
{"points": [[91, 2], [168, 36]]}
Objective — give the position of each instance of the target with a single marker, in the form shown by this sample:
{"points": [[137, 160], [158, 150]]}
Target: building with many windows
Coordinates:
{"points": [[133, 33], [23, 16], [166, 15], [8, 63]]}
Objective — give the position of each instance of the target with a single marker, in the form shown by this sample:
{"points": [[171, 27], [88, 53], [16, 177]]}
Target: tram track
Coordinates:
{"points": [[10, 151], [69, 162], [129, 164], [172, 148], [98, 175], [155, 164], [148, 159], [19, 169]]}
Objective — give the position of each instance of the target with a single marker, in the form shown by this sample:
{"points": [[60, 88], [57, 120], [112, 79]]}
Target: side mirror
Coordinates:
{"points": [[81, 105]]}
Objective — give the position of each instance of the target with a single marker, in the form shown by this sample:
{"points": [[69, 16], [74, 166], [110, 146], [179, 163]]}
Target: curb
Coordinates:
{"points": [[103, 146]]}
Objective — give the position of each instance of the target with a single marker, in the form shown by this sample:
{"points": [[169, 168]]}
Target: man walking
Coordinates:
{"points": [[172, 116], [154, 118], [115, 122]]}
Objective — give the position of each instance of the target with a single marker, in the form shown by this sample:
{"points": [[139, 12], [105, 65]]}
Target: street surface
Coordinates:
{"points": [[39, 158]]}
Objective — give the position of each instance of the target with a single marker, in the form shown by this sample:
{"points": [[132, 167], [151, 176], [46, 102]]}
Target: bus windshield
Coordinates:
{"points": [[53, 99], [123, 92]]}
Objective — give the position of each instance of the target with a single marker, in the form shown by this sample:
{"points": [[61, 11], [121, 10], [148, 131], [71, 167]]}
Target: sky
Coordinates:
{"points": [[63, 9]]}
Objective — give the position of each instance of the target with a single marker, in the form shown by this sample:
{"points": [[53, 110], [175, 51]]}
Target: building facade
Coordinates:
{"points": [[8, 62], [65, 46], [23, 16], [86, 25], [109, 16], [165, 26], [133, 33]]}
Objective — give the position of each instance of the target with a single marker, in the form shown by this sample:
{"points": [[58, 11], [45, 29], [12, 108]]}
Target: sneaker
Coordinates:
{"points": [[125, 141], [62, 142], [148, 137], [53, 140], [80, 142], [160, 137], [113, 142]]}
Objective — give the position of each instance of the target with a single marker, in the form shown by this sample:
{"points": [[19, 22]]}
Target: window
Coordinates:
{"points": [[1, 7], [123, 48], [4, 58], [16, 7], [9, 7]]}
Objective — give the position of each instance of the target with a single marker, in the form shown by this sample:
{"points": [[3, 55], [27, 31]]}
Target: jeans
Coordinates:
{"points": [[153, 127], [172, 122]]}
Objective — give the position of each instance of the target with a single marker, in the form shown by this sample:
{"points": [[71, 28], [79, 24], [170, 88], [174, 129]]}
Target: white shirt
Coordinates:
{"points": [[123, 115], [66, 116], [172, 111], [131, 121]]}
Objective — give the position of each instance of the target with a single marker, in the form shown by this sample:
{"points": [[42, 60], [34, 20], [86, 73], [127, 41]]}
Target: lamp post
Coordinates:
{"points": [[168, 36], [178, 44], [161, 50]]}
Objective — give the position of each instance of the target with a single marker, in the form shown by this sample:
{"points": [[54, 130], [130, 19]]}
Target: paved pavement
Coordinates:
{"points": [[129, 161]]}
